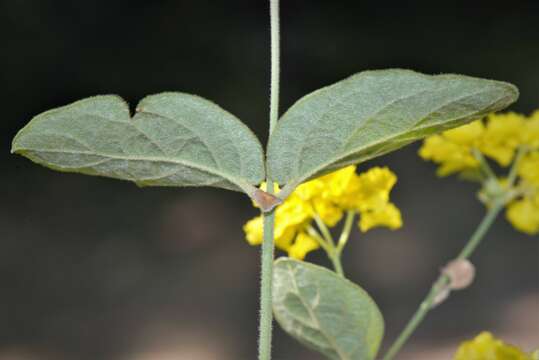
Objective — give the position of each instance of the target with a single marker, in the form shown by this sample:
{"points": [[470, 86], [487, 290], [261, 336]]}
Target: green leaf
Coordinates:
{"points": [[373, 113], [174, 139], [326, 312]]}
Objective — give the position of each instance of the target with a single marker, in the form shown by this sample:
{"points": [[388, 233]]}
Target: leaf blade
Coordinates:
{"points": [[326, 312], [372, 113], [97, 136]]}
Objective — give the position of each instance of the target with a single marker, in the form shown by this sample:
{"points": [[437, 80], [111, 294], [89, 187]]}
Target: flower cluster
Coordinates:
{"points": [[326, 199], [508, 139], [486, 347]]}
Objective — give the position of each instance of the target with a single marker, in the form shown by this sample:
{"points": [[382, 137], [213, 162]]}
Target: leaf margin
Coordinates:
{"points": [[288, 188], [310, 266], [247, 186]]}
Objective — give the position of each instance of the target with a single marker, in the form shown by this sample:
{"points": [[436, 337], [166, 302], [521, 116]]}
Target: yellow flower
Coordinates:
{"points": [[341, 187], [523, 214], [503, 134], [531, 134], [373, 203], [293, 212], [498, 138], [254, 230], [309, 190], [374, 187], [328, 211], [302, 245], [468, 134], [486, 347], [528, 168], [328, 197], [290, 218], [389, 215], [453, 148]]}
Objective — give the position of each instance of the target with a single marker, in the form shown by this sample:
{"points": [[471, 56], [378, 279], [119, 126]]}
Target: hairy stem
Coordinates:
{"points": [[266, 312], [268, 247], [275, 67], [442, 280]]}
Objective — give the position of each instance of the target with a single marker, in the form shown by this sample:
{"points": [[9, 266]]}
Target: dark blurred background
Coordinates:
{"points": [[93, 268]]}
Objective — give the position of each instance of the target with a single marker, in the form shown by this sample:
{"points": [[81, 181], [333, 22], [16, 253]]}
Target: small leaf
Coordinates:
{"points": [[326, 312], [174, 139], [373, 113]]}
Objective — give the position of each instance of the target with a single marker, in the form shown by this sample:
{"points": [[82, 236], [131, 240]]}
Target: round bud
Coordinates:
{"points": [[460, 272]]}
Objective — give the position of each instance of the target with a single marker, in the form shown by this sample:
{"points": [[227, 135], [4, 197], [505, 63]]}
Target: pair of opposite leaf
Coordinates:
{"points": [[177, 139]]}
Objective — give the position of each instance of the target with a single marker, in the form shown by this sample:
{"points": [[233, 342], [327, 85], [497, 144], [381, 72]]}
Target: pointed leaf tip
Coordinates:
{"points": [[373, 113]]}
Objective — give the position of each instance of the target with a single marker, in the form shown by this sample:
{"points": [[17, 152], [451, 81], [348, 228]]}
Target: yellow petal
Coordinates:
{"points": [[302, 246], [284, 237], [468, 134], [529, 168], [503, 134], [531, 133], [254, 230], [524, 215], [374, 188], [328, 212], [452, 156], [486, 347], [309, 190], [388, 216], [337, 183], [293, 211]]}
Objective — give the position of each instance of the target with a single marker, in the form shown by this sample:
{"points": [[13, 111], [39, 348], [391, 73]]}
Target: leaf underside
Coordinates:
{"points": [[373, 113], [174, 139], [326, 312]]}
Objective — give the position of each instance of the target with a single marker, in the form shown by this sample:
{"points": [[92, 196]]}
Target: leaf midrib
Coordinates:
{"points": [[299, 180], [314, 318], [232, 179]]}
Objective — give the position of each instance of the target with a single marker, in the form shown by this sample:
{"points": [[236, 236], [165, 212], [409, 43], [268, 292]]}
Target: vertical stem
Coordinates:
{"points": [[275, 67], [266, 314], [440, 283]]}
